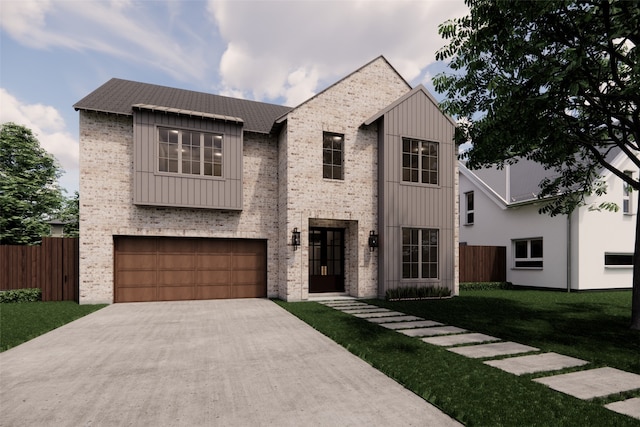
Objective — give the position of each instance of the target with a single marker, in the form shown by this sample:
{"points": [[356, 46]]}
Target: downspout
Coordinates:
{"points": [[569, 252]]}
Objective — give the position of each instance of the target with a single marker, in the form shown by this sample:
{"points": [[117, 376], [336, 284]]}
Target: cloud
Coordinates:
{"points": [[271, 44], [132, 31], [50, 128]]}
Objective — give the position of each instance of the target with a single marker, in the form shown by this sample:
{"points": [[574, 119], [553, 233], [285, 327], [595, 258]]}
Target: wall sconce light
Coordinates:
{"points": [[373, 240], [295, 239]]}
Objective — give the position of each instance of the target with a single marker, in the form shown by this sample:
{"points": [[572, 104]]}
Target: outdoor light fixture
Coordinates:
{"points": [[295, 238], [373, 240]]}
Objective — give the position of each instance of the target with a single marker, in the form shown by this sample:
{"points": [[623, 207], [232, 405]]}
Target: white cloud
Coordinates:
{"points": [[128, 30], [269, 43], [49, 127]]}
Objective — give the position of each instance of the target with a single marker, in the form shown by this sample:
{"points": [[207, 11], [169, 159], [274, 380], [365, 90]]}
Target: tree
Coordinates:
{"points": [[29, 192], [557, 82], [70, 214]]}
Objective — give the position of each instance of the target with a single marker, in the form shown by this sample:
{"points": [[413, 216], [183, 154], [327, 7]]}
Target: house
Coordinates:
{"points": [[188, 195], [589, 249]]}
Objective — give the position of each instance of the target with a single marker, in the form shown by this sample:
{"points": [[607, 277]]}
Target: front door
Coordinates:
{"points": [[326, 260]]}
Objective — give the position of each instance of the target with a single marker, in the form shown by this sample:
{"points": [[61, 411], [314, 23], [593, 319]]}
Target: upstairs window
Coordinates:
{"points": [[189, 152], [528, 253], [419, 161], [626, 195], [469, 209], [332, 150], [419, 253]]}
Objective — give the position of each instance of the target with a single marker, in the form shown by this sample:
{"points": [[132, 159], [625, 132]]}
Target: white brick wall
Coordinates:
{"points": [[342, 109], [107, 209]]}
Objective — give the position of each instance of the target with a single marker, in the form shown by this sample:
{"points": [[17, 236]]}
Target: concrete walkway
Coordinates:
{"points": [[584, 384], [225, 363]]}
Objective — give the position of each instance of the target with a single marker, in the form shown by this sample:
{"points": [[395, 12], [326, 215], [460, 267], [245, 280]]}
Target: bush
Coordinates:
{"points": [[485, 286], [21, 295], [409, 292]]}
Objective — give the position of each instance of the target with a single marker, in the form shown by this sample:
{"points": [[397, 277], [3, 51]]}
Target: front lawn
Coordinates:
{"points": [[591, 326], [20, 322]]}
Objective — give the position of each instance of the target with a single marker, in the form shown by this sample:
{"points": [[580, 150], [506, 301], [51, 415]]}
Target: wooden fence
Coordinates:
{"points": [[483, 263], [51, 266]]}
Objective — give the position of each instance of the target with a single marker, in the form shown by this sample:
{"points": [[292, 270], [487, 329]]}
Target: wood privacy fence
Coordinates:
{"points": [[483, 263], [51, 266]]}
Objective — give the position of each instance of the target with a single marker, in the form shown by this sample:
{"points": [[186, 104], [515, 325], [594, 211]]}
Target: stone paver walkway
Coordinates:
{"points": [[585, 384]]}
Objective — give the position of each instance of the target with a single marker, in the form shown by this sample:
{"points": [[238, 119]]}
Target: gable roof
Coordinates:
{"points": [[283, 117], [419, 88], [119, 96]]}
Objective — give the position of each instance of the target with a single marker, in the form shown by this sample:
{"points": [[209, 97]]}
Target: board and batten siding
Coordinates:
{"points": [[181, 190], [414, 205]]}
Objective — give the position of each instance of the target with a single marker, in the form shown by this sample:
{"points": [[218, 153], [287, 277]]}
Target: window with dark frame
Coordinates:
{"points": [[420, 253], [469, 208], [626, 195], [189, 152], [419, 161], [528, 253], [332, 155], [618, 259]]}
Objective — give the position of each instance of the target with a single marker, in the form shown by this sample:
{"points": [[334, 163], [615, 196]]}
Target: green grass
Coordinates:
{"points": [[20, 322], [592, 326]]}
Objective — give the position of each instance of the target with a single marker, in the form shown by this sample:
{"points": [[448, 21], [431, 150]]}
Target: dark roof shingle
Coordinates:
{"points": [[117, 96]]}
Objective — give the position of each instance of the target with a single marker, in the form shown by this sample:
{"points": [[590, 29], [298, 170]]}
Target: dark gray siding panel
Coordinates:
{"points": [[415, 205], [161, 189]]}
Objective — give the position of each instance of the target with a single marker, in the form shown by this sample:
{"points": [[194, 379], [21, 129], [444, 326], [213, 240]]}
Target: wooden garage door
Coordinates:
{"points": [[169, 269]]}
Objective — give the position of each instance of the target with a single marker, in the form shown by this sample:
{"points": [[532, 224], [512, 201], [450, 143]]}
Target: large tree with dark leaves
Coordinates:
{"points": [[557, 82], [29, 190]]}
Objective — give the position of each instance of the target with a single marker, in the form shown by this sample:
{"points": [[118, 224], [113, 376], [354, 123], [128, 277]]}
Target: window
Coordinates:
{"points": [[528, 253], [468, 197], [618, 259], [419, 161], [332, 149], [419, 253], [189, 152], [626, 195]]}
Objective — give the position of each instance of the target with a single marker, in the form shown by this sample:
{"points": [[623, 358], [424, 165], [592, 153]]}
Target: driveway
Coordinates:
{"points": [[221, 362]]}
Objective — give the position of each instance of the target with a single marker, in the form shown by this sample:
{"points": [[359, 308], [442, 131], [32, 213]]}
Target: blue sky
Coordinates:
{"points": [[54, 52]]}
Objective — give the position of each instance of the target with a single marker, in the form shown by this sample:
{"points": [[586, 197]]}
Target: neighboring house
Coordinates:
{"points": [[588, 249], [187, 195]]}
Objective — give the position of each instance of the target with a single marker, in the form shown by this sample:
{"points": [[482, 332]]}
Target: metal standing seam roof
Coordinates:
{"points": [[119, 96]]}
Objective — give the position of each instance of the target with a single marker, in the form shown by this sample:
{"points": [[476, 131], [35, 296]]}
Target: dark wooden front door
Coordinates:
{"points": [[326, 260]]}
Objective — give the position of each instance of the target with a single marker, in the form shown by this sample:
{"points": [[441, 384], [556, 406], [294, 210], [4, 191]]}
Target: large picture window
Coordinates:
{"points": [[332, 150], [419, 161], [419, 253], [528, 253], [189, 152]]}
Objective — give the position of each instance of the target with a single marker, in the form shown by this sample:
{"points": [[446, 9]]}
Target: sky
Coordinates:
{"points": [[55, 52]]}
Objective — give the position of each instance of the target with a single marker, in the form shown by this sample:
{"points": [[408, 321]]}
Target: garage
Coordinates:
{"points": [[172, 268]]}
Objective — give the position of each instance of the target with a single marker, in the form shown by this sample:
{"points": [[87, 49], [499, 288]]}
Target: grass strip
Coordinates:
{"points": [[466, 389], [21, 322]]}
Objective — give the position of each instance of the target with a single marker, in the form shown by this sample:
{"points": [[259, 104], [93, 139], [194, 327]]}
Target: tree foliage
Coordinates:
{"points": [[29, 190], [70, 214], [557, 82]]}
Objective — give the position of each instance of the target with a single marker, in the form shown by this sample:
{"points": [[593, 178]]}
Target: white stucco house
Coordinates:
{"points": [[586, 250]]}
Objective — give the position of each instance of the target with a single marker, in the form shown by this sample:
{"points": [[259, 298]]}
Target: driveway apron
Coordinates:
{"points": [[220, 362]]}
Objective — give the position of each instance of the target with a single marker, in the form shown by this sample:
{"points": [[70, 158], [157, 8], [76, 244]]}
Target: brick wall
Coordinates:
{"points": [[107, 209]]}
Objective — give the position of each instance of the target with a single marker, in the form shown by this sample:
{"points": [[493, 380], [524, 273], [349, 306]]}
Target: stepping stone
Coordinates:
{"points": [[593, 382], [414, 324], [492, 350], [630, 407], [536, 363], [451, 340], [429, 332], [387, 313], [371, 309], [344, 304], [403, 318]]}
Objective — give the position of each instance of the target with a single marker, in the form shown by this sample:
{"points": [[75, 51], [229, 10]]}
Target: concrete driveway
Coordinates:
{"points": [[226, 363]]}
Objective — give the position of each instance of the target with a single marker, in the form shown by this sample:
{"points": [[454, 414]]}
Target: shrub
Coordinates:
{"points": [[485, 286], [410, 292], [21, 295]]}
